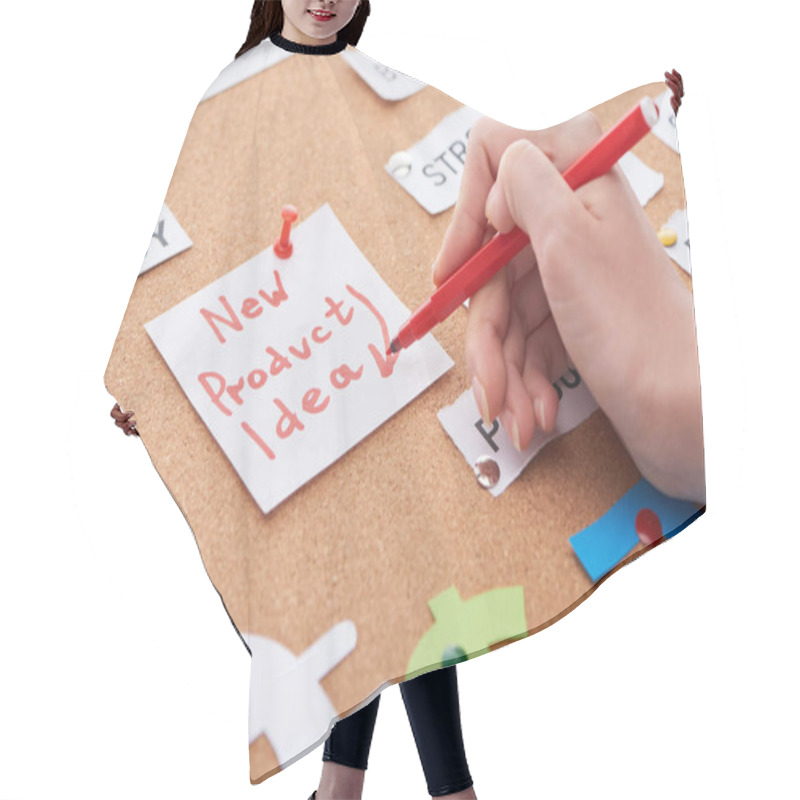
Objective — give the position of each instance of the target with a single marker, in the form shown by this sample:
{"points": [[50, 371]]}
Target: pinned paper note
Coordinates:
{"points": [[468, 628], [666, 127], [257, 59], [602, 545], [645, 182], [679, 252], [168, 239], [285, 359], [288, 704], [432, 168], [384, 81], [464, 425]]}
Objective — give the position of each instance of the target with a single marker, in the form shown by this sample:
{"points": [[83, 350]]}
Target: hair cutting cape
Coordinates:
{"points": [[332, 488]]}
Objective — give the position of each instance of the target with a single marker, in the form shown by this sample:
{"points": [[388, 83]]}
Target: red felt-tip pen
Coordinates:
{"points": [[502, 247]]}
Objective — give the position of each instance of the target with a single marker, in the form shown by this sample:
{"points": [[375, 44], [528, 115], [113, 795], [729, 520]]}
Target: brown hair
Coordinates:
{"points": [[266, 18]]}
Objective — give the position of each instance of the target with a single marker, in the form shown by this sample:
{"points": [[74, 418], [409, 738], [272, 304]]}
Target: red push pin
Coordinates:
{"points": [[648, 526], [283, 247]]}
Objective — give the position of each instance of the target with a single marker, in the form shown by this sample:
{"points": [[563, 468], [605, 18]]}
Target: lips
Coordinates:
{"points": [[323, 16]]}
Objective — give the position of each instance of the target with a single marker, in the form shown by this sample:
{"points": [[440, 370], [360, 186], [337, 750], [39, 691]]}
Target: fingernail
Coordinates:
{"points": [[511, 428], [515, 434], [538, 406], [490, 199], [480, 397]]}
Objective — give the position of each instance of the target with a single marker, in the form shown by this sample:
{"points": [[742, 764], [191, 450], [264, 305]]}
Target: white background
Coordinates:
{"points": [[120, 674]]}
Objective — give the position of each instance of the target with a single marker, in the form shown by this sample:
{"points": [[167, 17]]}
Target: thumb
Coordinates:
{"points": [[532, 194]]}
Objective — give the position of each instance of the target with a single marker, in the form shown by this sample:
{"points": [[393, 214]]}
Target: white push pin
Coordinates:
{"points": [[400, 164]]}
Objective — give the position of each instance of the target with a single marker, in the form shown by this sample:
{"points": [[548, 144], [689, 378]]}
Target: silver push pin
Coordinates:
{"points": [[487, 471]]}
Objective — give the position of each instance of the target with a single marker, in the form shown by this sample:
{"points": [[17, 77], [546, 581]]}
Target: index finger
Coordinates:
{"points": [[488, 140], [464, 236]]}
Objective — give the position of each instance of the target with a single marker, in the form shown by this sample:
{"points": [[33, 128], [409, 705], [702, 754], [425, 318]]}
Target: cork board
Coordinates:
{"points": [[399, 519]]}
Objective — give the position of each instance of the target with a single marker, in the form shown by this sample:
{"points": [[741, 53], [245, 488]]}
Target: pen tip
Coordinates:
{"points": [[393, 347]]}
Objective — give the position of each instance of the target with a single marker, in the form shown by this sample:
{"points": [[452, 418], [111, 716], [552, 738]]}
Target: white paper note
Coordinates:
{"points": [[384, 81], [168, 239], [464, 426], [436, 163], [679, 252], [666, 128], [432, 169], [284, 360], [288, 703], [645, 182], [261, 57]]}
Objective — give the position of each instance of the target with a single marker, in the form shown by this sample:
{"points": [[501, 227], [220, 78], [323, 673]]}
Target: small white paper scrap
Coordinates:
{"points": [[168, 239], [288, 703], [257, 59], [666, 128], [285, 360], [679, 252], [463, 424], [432, 175], [384, 81], [645, 182]]}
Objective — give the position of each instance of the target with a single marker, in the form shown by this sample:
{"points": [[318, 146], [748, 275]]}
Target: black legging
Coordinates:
{"points": [[432, 707]]}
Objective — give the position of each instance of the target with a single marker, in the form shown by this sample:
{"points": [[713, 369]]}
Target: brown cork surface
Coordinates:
{"points": [[400, 517]]}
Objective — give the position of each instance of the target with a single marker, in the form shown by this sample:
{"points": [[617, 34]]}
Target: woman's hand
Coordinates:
{"points": [[594, 289], [122, 419], [675, 82]]}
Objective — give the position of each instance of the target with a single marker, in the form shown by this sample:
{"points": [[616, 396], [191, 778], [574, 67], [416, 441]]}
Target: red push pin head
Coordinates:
{"points": [[648, 526], [283, 247]]}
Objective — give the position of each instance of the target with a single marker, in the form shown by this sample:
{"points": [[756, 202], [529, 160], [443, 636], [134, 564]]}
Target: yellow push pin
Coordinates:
{"points": [[668, 237]]}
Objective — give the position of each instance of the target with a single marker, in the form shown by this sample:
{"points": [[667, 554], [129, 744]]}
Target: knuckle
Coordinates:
{"points": [[511, 163], [479, 127], [478, 136], [588, 126], [559, 242]]}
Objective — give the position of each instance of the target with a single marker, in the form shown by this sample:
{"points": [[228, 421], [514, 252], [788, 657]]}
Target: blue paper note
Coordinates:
{"points": [[604, 543]]}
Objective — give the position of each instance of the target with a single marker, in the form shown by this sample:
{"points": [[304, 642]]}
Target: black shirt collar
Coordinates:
{"points": [[309, 49]]}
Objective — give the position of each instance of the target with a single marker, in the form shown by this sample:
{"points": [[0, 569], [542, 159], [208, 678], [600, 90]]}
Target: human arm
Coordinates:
{"points": [[595, 289]]}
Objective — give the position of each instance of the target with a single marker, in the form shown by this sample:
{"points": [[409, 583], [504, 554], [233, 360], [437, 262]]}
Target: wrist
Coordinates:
{"points": [[668, 422]]}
